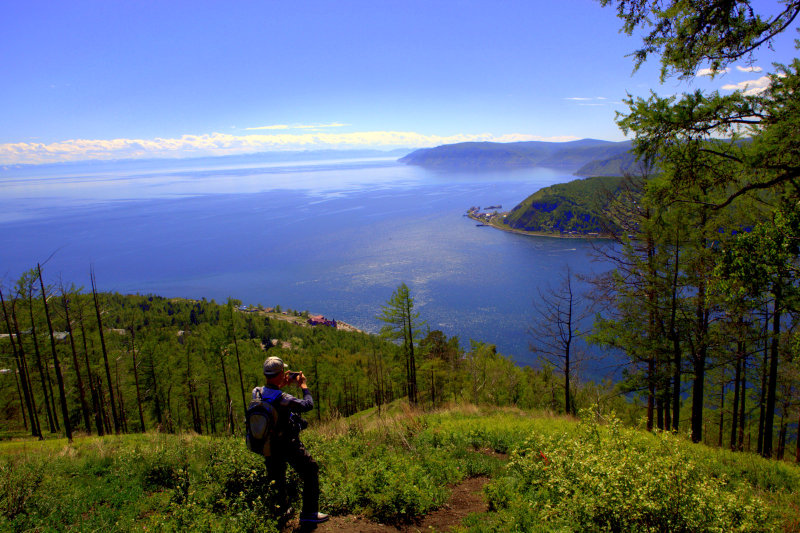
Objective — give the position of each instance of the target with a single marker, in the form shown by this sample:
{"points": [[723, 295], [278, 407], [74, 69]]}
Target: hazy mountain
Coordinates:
{"points": [[569, 156]]}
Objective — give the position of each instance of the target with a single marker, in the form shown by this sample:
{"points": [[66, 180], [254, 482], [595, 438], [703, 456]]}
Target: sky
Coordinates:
{"points": [[134, 79]]}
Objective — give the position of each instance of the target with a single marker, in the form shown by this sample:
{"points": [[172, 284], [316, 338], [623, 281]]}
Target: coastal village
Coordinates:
{"points": [[485, 217]]}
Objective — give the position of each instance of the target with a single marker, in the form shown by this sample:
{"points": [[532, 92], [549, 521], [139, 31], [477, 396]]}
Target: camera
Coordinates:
{"points": [[293, 375]]}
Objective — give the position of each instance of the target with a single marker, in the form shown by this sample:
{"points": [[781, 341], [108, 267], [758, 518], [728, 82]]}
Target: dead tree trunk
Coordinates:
{"points": [[156, 393], [227, 391], [81, 391], [19, 359], [59, 376], [238, 361], [112, 401], [132, 331], [25, 416], [44, 380], [93, 385]]}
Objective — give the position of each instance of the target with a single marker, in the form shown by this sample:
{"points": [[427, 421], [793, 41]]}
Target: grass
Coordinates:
{"points": [[548, 473]]}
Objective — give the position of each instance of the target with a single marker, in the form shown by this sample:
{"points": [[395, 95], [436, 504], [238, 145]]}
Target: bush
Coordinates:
{"points": [[18, 483], [615, 479]]}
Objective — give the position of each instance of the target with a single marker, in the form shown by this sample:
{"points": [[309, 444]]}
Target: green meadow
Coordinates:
{"points": [[547, 473]]}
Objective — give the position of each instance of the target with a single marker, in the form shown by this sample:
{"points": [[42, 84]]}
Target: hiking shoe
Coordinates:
{"points": [[315, 518]]}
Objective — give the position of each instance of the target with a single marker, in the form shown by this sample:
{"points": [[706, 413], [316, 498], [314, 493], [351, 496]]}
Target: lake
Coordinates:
{"points": [[333, 237]]}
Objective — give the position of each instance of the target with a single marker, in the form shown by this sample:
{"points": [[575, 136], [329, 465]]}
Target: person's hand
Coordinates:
{"points": [[301, 380]]}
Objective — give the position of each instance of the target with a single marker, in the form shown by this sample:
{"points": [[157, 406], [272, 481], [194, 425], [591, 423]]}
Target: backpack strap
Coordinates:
{"points": [[270, 395]]}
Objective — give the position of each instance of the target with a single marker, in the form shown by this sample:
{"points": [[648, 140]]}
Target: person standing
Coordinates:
{"points": [[286, 447]]}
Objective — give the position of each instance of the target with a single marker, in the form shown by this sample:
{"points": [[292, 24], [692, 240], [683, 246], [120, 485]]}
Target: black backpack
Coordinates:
{"points": [[261, 419]]}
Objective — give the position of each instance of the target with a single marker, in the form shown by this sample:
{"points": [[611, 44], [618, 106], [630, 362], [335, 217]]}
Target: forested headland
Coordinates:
{"points": [[576, 208]]}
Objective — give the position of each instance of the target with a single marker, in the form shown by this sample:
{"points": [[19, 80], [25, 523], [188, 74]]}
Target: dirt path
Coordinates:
{"points": [[465, 498]]}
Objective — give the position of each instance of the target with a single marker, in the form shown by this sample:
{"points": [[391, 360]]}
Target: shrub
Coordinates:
{"points": [[615, 479], [18, 483]]}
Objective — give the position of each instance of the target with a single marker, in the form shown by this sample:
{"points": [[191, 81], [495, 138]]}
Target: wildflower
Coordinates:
{"points": [[544, 458]]}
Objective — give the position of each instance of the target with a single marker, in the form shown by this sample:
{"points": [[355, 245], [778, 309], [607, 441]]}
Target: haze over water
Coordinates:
{"points": [[331, 237]]}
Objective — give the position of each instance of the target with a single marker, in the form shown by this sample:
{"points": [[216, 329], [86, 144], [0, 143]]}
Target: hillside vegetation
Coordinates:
{"points": [[576, 207], [546, 474], [177, 365], [616, 165]]}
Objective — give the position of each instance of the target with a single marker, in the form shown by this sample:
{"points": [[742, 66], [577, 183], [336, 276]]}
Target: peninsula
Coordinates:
{"points": [[576, 209]]}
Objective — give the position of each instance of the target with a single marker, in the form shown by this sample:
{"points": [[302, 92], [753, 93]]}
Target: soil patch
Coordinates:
{"points": [[465, 498]]}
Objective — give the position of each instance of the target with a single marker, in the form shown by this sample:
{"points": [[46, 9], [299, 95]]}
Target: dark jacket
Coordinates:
{"points": [[289, 421]]}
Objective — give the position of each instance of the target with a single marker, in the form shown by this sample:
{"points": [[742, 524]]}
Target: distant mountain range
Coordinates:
{"points": [[587, 157]]}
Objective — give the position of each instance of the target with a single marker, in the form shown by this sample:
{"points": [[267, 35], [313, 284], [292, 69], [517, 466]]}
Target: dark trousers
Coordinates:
{"points": [[305, 466]]}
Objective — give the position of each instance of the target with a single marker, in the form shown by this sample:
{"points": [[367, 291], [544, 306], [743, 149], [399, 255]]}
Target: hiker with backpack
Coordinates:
{"points": [[273, 430]]}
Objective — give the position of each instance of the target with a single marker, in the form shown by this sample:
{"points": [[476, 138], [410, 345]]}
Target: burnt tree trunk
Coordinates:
{"points": [[59, 376], [132, 331], [19, 359], [93, 385], [81, 391], [38, 355], [228, 402], [112, 401], [238, 361], [22, 402]]}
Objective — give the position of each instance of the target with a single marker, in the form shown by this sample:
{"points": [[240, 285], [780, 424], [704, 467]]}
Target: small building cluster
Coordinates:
{"points": [[319, 320], [485, 217]]}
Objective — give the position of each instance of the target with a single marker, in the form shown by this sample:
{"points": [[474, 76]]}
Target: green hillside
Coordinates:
{"points": [[616, 165], [575, 207], [544, 473]]}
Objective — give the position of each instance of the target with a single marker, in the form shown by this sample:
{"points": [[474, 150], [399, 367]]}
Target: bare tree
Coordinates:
{"points": [[559, 312], [112, 401], [56, 363]]}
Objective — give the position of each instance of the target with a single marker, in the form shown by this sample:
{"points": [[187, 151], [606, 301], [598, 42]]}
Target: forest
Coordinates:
{"points": [[103, 363]]}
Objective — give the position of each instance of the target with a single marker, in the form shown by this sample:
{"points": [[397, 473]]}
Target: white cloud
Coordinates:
{"points": [[749, 69], [226, 144], [588, 100], [749, 87], [272, 127], [711, 72], [298, 126]]}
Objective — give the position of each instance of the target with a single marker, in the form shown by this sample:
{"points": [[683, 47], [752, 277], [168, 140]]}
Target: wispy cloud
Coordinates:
{"points": [[749, 69], [298, 126], [226, 144], [749, 87], [711, 72], [585, 98]]}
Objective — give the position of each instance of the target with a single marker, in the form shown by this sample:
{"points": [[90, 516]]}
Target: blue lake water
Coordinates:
{"points": [[332, 237]]}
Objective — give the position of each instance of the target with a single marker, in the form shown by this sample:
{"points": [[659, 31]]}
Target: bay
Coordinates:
{"points": [[332, 237]]}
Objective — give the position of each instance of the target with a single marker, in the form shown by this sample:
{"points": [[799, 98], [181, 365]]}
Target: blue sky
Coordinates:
{"points": [[114, 79]]}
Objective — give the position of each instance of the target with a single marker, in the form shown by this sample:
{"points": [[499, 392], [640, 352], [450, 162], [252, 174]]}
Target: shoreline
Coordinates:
{"points": [[493, 224]]}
